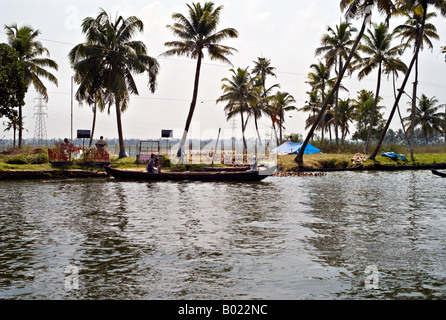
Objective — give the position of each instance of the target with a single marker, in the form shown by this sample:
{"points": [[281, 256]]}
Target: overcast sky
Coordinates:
{"points": [[285, 31]]}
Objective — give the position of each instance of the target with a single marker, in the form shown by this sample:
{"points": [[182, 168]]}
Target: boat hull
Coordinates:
{"points": [[415, 167], [186, 176], [438, 173]]}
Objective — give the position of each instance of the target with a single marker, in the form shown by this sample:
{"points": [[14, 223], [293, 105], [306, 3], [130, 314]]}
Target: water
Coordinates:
{"points": [[342, 236]]}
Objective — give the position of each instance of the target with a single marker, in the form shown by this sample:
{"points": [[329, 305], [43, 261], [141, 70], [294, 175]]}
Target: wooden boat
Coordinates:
{"points": [[408, 167], [438, 173], [236, 176]]}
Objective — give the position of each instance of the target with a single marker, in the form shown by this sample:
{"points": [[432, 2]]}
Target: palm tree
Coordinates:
{"points": [[239, 94], [353, 8], [282, 103], [24, 41], [110, 50], [197, 33], [364, 106], [382, 56], [12, 124], [346, 115], [262, 69], [320, 80], [421, 6], [409, 33], [91, 86], [427, 117], [336, 45]]}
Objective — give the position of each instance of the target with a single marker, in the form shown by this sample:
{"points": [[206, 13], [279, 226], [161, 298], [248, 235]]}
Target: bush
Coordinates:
{"points": [[39, 158], [17, 159]]}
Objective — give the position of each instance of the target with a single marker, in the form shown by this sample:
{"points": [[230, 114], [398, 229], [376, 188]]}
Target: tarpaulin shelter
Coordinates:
{"points": [[294, 148]]}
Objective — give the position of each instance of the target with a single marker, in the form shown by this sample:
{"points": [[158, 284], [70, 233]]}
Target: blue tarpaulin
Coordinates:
{"points": [[393, 156], [292, 147]]}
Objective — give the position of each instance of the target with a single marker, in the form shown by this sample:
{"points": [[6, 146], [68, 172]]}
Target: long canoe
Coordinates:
{"points": [[438, 173], [409, 167], [237, 176]]}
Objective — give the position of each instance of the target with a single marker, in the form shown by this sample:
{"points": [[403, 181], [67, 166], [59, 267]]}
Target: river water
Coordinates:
{"points": [[349, 235]]}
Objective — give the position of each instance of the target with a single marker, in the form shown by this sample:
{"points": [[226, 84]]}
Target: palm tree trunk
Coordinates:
{"points": [[406, 78], [399, 114], [193, 103], [372, 117], [257, 130], [93, 125], [414, 105], [20, 126], [14, 134], [337, 105], [299, 158], [122, 153], [245, 147]]}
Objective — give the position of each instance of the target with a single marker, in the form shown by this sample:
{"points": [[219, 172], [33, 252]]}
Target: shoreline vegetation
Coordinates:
{"points": [[33, 163]]}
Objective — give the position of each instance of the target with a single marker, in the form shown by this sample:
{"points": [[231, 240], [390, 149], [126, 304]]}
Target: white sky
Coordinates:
{"points": [[285, 31]]}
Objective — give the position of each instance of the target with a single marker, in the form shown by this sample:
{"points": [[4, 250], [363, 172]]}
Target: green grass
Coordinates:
{"points": [[324, 160]]}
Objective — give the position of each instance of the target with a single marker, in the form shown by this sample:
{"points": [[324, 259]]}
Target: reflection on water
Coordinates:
{"points": [[283, 238]]}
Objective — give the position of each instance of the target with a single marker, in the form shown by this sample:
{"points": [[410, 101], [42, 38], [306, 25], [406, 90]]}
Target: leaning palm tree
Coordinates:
{"points": [[409, 33], [336, 46], [239, 93], [353, 9], [24, 41], [197, 33], [381, 55], [427, 116], [110, 50], [422, 7]]}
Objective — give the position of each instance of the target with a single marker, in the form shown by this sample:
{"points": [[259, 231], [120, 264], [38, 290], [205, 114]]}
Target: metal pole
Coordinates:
{"points": [[72, 80], [216, 145]]}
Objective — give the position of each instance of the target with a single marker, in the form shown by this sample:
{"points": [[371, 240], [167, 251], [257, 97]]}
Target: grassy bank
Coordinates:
{"points": [[330, 160], [31, 159]]}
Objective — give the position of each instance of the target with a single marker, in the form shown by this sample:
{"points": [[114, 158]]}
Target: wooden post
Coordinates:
{"points": [[216, 145]]}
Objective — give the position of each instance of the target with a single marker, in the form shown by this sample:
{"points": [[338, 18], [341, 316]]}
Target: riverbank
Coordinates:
{"points": [[322, 161], [287, 167]]}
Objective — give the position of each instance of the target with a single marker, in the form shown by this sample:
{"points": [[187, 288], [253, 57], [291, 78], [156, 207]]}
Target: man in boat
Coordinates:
{"points": [[151, 165], [254, 167], [101, 144]]}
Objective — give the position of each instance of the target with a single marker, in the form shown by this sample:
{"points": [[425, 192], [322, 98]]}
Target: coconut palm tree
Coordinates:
{"points": [[409, 33], [320, 79], [380, 55], [353, 9], [364, 105], [12, 124], [91, 86], [427, 117], [198, 32], [336, 45], [282, 103], [239, 93], [110, 50], [24, 41], [262, 69], [346, 115], [422, 7]]}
